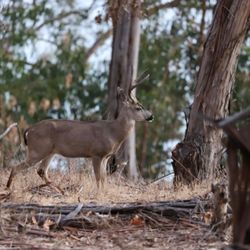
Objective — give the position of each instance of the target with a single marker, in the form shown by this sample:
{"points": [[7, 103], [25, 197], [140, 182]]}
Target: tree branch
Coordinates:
{"points": [[61, 16], [152, 10], [100, 40], [7, 130], [149, 11]]}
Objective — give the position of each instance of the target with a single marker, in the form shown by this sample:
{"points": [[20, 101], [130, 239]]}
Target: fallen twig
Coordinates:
{"points": [[8, 130]]}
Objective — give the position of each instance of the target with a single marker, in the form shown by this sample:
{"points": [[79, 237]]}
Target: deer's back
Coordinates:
{"points": [[69, 138]]}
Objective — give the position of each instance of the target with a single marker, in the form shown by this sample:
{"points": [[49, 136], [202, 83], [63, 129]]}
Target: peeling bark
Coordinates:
{"points": [[123, 69], [199, 154]]}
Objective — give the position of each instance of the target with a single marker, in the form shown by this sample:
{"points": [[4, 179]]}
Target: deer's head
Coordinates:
{"points": [[131, 106]]}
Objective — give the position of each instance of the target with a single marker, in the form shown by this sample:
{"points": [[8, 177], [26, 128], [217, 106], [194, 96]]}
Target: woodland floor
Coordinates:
{"points": [[122, 215]]}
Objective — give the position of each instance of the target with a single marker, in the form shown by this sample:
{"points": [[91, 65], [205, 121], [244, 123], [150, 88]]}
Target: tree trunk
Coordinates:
{"points": [[199, 154], [123, 68], [144, 143]]}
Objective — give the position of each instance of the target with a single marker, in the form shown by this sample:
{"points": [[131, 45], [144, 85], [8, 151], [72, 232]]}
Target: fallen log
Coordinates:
{"points": [[158, 207], [92, 215]]}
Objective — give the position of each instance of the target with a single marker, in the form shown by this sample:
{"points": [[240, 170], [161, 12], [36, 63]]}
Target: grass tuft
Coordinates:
{"points": [[79, 185]]}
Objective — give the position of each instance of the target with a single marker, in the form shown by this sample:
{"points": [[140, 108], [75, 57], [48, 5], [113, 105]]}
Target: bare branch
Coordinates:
{"points": [[8, 130], [99, 42], [234, 118], [62, 15], [152, 10], [47, 41]]}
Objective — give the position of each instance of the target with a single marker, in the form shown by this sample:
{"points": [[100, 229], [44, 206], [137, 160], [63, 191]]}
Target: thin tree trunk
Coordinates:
{"points": [[144, 148], [123, 69], [200, 152]]}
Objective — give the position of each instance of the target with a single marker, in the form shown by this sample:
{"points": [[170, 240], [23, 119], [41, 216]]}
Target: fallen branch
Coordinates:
{"points": [[8, 130], [162, 177], [94, 216], [104, 209], [81, 225]]}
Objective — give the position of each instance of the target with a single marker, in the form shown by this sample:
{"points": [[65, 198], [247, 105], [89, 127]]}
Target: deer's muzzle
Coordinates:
{"points": [[150, 118]]}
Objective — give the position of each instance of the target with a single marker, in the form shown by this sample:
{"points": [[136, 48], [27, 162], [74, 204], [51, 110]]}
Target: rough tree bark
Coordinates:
{"points": [[123, 68], [199, 154]]}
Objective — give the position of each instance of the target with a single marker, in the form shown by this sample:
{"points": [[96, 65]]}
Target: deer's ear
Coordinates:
{"points": [[121, 94]]}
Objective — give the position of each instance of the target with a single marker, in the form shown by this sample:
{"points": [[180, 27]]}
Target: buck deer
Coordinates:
{"points": [[97, 140]]}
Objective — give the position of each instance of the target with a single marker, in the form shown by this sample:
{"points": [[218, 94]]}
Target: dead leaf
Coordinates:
{"points": [[137, 221], [34, 221], [70, 229], [208, 217], [47, 224]]}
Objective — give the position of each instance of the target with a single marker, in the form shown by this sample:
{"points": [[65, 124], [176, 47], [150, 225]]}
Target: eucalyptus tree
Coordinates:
{"points": [[199, 154]]}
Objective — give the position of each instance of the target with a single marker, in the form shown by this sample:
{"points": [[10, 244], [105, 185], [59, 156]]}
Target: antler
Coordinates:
{"points": [[145, 75]]}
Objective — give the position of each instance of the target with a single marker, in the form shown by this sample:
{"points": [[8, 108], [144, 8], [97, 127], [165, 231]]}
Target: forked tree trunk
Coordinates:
{"points": [[123, 69], [200, 152]]}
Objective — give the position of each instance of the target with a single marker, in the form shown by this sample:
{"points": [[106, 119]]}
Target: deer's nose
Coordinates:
{"points": [[150, 118]]}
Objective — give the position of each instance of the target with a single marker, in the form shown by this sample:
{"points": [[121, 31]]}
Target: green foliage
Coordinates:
{"points": [[173, 65], [241, 94], [59, 82], [59, 76], [171, 50]]}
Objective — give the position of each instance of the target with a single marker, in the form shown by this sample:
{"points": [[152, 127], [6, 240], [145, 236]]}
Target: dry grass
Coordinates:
{"points": [[80, 186]]}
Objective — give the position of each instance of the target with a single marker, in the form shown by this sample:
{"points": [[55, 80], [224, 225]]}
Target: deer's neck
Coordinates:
{"points": [[124, 125]]}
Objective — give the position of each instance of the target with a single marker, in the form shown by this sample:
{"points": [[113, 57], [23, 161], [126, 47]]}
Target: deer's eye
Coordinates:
{"points": [[138, 108]]}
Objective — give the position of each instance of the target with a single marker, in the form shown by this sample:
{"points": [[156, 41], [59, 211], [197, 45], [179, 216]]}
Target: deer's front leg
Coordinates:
{"points": [[104, 169], [97, 162]]}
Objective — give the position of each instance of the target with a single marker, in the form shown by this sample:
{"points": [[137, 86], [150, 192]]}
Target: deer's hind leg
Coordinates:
{"points": [[43, 173], [99, 165], [104, 169], [43, 169]]}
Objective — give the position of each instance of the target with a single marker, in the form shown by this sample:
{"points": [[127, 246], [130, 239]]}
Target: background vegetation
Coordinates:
{"points": [[54, 63]]}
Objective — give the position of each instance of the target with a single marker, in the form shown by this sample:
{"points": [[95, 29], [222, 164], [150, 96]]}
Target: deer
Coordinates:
{"points": [[98, 140]]}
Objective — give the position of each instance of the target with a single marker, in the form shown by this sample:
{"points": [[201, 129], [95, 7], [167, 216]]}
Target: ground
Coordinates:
{"points": [[22, 227]]}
